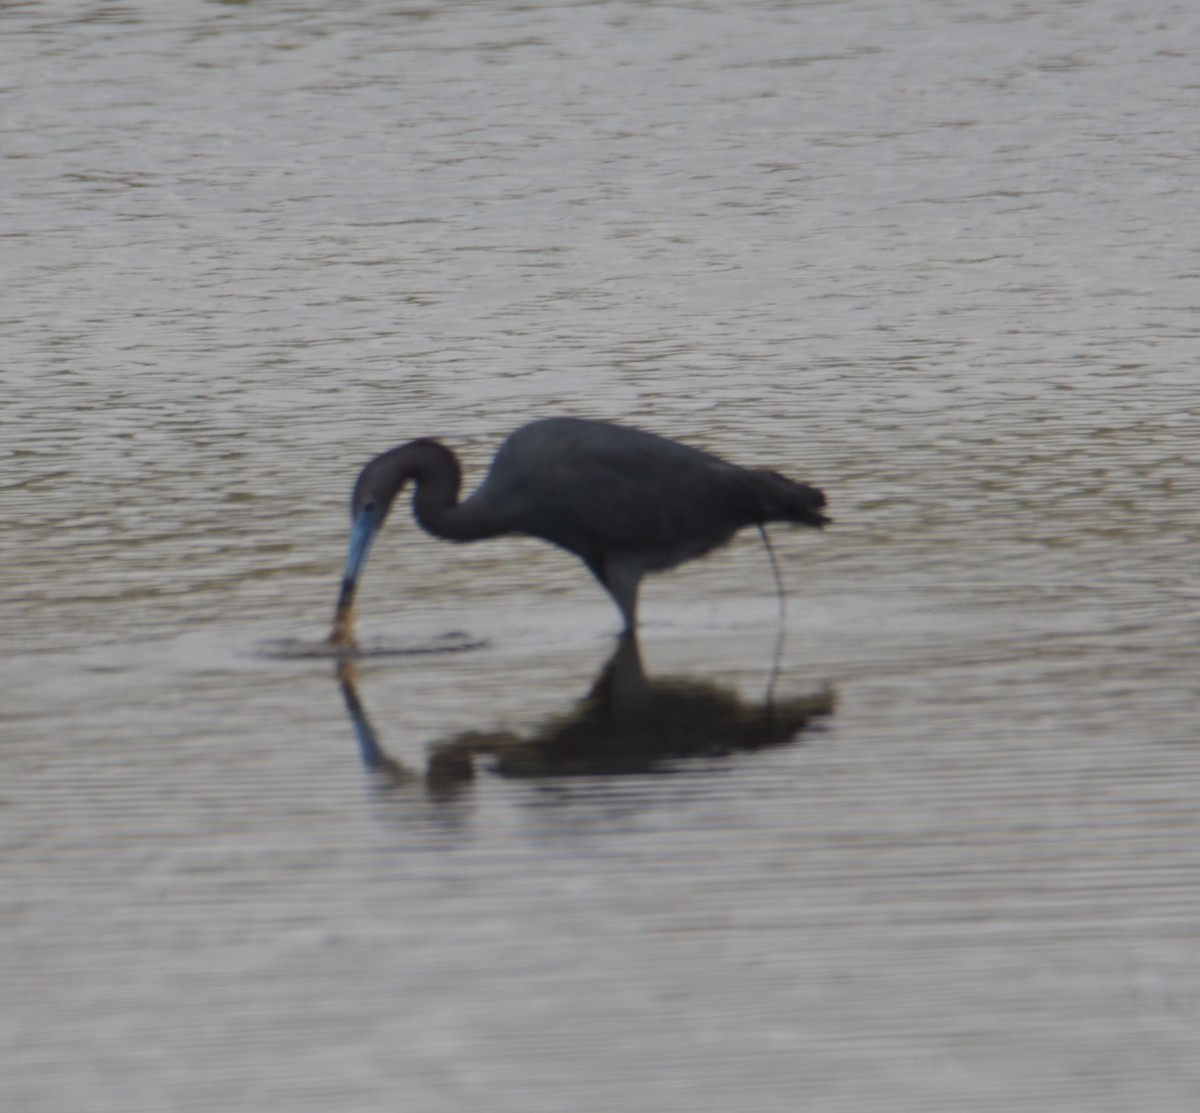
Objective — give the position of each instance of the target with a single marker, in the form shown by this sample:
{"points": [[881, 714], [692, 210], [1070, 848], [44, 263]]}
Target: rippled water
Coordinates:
{"points": [[937, 848]]}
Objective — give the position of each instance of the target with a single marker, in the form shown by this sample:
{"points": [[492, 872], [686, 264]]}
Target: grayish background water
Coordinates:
{"points": [[940, 258]]}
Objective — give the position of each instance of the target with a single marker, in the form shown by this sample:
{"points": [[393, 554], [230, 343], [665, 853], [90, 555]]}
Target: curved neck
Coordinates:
{"points": [[438, 477]]}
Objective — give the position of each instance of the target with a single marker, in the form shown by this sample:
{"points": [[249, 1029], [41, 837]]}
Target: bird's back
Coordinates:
{"points": [[597, 489]]}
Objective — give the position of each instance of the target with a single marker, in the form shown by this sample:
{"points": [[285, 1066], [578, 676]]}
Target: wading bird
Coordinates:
{"points": [[624, 501]]}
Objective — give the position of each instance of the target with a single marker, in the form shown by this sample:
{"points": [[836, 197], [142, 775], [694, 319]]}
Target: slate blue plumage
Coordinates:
{"points": [[625, 501]]}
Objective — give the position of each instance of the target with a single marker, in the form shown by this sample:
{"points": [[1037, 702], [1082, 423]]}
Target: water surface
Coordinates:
{"points": [[938, 259]]}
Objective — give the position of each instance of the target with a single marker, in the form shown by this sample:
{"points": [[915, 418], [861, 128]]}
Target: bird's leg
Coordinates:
{"points": [[622, 576], [629, 613]]}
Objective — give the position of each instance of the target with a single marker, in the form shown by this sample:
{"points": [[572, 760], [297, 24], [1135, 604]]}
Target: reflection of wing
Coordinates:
{"points": [[679, 720], [627, 723]]}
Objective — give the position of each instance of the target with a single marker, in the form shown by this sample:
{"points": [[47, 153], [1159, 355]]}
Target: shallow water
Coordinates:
{"points": [[938, 259]]}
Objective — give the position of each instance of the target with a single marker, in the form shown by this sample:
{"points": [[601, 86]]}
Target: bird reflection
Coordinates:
{"points": [[627, 723]]}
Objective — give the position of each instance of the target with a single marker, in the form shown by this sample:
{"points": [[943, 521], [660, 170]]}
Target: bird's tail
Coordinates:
{"points": [[781, 500]]}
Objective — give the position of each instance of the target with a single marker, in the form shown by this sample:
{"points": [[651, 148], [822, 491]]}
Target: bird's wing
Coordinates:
{"points": [[639, 496]]}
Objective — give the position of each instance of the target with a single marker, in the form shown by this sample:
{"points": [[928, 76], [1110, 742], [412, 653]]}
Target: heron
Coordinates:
{"points": [[625, 501]]}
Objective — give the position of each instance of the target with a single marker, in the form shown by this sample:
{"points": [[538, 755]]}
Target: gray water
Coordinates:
{"points": [[938, 257]]}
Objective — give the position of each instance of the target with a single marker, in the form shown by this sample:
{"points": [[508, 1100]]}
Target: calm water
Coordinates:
{"points": [[940, 258]]}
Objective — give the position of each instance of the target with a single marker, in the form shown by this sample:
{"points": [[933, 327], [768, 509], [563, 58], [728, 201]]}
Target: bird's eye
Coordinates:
{"points": [[369, 507]]}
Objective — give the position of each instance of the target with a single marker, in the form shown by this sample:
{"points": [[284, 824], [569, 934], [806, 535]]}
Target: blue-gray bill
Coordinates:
{"points": [[362, 533]]}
